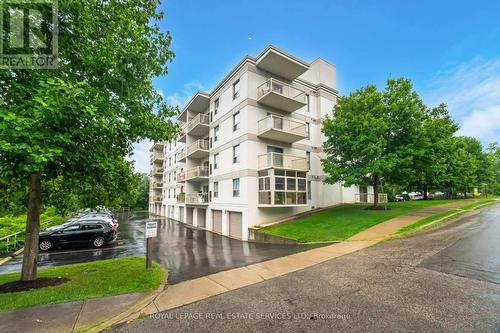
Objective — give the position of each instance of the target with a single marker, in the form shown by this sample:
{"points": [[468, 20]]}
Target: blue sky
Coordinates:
{"points": [[449, 49]]}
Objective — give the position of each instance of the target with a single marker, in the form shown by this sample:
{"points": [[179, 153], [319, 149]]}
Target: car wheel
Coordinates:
{"points": [[98, 242], [45, 245]]}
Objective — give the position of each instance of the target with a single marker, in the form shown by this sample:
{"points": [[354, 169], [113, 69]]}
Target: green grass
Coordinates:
{"points": [[342, 222], [90, 280], [13, 224], [420, 224]]}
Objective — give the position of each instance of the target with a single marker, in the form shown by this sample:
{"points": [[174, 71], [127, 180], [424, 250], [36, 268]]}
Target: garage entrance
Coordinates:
{"points": [[189, 215], [202, 217], [236, 224], [217, 220], [181, 214]]}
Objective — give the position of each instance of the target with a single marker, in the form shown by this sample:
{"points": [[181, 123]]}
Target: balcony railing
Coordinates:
{"points": [[157, 198], [181, 155], [157, 171], [281, 95], [157, 184], [282, 161], [181, 176], [197, 172], [181, 198], [197, 198], [181, 136], [201, 144], [157, 156], [199, 119], [282, 129]]}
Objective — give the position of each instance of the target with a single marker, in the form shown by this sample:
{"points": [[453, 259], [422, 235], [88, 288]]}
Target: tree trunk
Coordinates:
{"points": [[465, 194], [450, 193], [30, 257], [375, 191], [425, 192]]}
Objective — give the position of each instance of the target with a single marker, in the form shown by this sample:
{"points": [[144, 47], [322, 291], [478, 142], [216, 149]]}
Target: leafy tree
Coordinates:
{"points": [[78, 121], [143, 192], [493, 182], [370, 136]]}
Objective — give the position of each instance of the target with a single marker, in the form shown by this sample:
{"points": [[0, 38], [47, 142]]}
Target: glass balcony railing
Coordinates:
{"points": [[282, 161], [197, 198], [201, 144], [199, 119], [282, 129], [281, 95], [181, 198], [197, 172], [181, 155]]}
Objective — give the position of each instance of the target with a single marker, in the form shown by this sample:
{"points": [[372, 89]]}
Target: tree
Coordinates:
{"points": [[143, 192], [78, 121], [493, 182], [430, 149], [370, 136]]}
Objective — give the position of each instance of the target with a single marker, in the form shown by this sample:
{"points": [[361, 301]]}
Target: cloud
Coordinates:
{"points": [[141, 157], [181, 98], [472, 92]]}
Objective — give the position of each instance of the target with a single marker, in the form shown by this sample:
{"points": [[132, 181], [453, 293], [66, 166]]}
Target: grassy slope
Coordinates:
{"points": [[455, 212], [89, 280], [344, 221], [10, 224]]}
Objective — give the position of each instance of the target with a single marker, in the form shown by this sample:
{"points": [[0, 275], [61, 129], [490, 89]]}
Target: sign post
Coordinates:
{"points": [[151, 230]]}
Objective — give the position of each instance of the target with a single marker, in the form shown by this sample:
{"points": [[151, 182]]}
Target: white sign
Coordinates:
{"points": [[151, 228]]}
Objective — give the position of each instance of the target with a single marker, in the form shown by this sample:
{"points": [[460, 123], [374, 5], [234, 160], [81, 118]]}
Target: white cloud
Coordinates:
{"points": [[181, 98], [472, 92], [141, 157]]}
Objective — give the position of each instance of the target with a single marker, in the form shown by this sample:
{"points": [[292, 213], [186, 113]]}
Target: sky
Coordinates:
{"points": [[449, 49]]}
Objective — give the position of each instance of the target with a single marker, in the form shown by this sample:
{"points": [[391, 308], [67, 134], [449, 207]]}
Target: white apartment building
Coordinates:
{"points": [[250, 150]]}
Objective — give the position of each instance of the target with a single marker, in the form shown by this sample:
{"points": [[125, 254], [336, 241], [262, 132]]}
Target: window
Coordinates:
{"points": [[216, 133], [279, 183], [236, 154], [216, 189], [216, 106], [216, 161], [301, 185], [309, 194], [170, 161], [236, 187], [291, 184], [236, 89], [236, 121], [307, 102], [308, 131], [308, 155]]}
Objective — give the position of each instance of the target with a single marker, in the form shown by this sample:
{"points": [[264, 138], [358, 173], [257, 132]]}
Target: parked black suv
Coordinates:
{"points": [[95, 233]]}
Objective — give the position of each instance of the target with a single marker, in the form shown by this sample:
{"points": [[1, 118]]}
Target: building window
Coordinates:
{"points": [[236, 187], [236, 121], [216, 161], [307, 102], [236, 154], [216, 189], [216, 106], [308, 131], [308, 155], [236, 89], [216, 133], [309, 194]]}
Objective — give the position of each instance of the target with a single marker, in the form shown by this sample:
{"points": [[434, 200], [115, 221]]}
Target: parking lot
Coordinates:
{"points": [[186, 252]]}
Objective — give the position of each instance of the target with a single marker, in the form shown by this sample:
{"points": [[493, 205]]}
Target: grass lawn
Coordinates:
{"points": [[89, 280], [341, 222], [455, 212]]}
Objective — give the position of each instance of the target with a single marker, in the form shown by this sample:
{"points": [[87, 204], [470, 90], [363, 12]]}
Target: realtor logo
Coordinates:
{"points": [[28, 35]]}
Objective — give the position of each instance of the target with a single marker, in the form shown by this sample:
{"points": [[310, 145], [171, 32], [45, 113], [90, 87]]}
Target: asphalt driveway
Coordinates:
{"points": [[384, 288], [186, 252]]}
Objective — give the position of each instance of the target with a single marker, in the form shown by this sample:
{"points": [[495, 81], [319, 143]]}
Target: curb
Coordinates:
{"points": [[9, 258]]}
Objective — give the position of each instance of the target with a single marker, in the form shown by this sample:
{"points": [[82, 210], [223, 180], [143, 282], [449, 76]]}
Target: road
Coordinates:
{"points": [[400, 285], [186, 252]]}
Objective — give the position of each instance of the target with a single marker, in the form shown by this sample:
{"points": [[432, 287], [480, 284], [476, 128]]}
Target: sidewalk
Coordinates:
{"points": [[128, 307]]}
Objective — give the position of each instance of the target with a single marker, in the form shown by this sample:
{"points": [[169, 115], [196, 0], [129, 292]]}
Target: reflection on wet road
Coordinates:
{"points": [[187, 253], [477, 254]]}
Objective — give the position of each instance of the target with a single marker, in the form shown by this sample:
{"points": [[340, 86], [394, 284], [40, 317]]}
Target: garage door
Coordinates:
{"points": [[217, 220], [235, 224], [181, 214], [201, 217], [189, 215]]}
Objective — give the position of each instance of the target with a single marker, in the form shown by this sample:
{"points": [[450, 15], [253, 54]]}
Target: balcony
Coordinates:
{"points": [[198, 126], [280, 95], [282, 129], [157, 171], [282, 161], [198, 149], [275, 61], [157, 185], [157, 157], [282, 188], [181, 198], [197, 198], [181, 177], [181, 155], [157, 146], [282, 199], [199, 173], [157, 198], [182, 133]]}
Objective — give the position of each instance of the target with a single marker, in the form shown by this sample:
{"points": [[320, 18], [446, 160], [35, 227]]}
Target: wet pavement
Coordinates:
{"points": [[187, 253], [477, 254]]}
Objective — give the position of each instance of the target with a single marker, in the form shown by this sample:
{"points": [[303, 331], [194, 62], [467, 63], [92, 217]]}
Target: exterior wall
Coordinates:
{"points": [[318, 83]]}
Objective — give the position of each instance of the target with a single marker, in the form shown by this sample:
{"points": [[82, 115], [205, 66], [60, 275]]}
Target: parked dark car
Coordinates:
{"points": [[95, 233]]}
